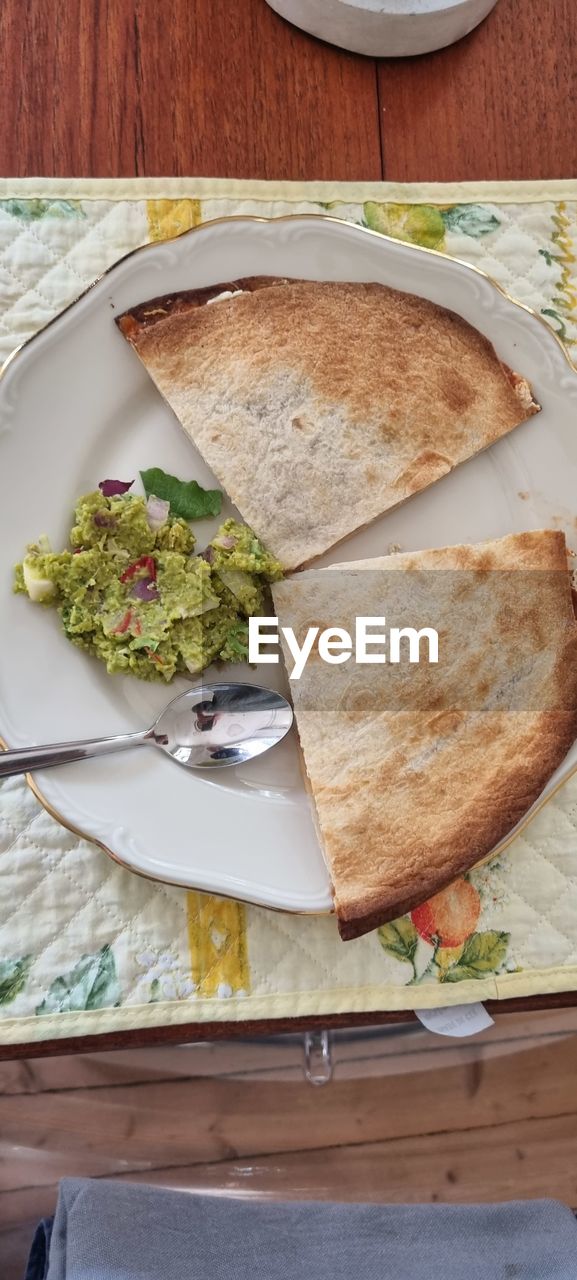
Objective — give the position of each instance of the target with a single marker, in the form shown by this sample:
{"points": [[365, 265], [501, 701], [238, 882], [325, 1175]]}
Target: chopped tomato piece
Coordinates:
{"points": [[146, 562], [124, 624]]}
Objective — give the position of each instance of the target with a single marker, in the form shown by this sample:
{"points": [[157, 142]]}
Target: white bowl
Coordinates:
{"points": [[386, 28]]}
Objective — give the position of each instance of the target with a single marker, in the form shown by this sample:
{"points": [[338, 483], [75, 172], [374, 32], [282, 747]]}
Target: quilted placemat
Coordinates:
{"points": [[86, 947]]}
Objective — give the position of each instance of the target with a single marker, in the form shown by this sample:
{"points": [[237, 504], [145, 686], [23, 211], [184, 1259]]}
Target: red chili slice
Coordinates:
{"points": [[145, 562], [124, 624]]}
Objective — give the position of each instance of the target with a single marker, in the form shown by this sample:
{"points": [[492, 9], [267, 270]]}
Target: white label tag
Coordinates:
{"points": [[458, 1020]]}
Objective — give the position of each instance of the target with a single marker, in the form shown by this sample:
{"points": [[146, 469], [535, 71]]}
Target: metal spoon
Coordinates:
{"points": [[210, 727]]}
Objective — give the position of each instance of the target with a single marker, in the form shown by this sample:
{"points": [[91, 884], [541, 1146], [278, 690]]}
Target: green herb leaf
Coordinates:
{"points": [[472, 219], [91, 984], [399, 939], [187, 498], [482, 953], [13, 975]]}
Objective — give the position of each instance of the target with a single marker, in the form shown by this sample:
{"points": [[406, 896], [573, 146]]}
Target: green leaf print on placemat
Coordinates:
{"points": [[400, 939], [482, 953], [13, 975], [472, 219], [32, 210], [91, 984], [426, 224]]}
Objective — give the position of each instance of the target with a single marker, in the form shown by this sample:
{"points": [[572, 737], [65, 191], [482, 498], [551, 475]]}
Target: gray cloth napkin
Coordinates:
{"points": [[115, 1231]]}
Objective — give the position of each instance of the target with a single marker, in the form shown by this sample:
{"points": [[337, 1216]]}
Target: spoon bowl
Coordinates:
{"points": [[218, 725]]}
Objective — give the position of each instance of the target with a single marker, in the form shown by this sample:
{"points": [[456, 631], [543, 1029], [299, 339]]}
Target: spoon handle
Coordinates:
{"points": [[24, 759]]}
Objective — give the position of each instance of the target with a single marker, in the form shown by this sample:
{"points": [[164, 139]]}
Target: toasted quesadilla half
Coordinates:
{"points": [[319, 406], [419, 770]]}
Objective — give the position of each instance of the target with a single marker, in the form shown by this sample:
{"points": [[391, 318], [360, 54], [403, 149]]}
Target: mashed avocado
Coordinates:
{"points": [[135, 594]]}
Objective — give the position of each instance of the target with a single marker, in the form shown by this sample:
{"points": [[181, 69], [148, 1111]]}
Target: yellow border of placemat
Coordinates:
{"points": [[247, 189], [291, 1004], [294, 1004]]}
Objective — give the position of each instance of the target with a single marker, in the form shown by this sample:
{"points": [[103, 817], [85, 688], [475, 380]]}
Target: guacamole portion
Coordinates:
{"points": [[132, 591]]}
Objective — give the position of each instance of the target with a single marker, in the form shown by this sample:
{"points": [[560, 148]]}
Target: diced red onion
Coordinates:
{"points": [[207, 554], [227, 542], [112, 488], [157, 511], [104, 520], [145, 589]]}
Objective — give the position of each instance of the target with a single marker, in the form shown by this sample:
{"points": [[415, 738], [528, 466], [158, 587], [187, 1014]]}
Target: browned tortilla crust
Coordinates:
{"points": [[399, 821], [147, 314], [551, 738], [298, 393]]}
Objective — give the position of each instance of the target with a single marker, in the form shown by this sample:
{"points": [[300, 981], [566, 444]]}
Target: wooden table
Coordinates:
{"points": [[226, 88], [412, 1118]]}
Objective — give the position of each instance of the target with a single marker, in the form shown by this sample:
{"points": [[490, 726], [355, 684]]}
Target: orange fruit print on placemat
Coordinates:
{"points": [[450, 916]]}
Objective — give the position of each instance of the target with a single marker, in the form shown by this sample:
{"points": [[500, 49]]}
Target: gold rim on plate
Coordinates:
{"points": [[378, 235]]}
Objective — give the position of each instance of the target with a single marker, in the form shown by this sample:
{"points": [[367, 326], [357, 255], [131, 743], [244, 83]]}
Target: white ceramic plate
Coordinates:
{"points": [[76, 406]]}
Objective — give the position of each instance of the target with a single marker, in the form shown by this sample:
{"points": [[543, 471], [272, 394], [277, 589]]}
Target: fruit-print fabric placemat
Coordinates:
{"points": [[86, 947]]}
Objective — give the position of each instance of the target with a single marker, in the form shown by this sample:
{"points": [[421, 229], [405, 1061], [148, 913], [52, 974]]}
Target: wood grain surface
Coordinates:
{"points": [[120, 87], [500, 104], [214, 87], [227, 88], [408, 1117]]}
